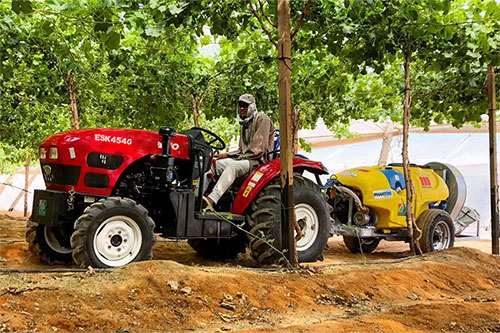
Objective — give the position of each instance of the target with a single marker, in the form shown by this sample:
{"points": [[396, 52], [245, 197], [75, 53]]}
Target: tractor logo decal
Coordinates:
{"points": [[47, 169], [113, 139], [174, 146], [401, 209], [425, 181], [382, 194], [253, 182]]}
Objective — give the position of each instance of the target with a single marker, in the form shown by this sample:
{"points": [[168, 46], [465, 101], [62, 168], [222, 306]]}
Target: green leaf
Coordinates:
{"points": [[242, 54], [205, 40], [152, 31], [153, 4], [473, 54], [175, 9], [434, 27], [101, 27], [112, 40], [347, 28], [305, 145], [22, 6], [47, 27], [483, 41], [70, 65], [448, 32]]}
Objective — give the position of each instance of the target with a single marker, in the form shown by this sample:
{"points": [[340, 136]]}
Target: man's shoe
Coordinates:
{"points": [[208, 204]]}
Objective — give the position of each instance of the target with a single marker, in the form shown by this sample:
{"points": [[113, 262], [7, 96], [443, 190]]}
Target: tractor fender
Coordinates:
{"points": [[261, 176]]}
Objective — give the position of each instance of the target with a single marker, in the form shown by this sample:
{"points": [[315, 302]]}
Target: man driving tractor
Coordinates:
{"points": [[255, 142]]}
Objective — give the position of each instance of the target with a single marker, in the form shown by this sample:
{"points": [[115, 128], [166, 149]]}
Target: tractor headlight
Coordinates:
{"points": [[72, 153], [42, 153], [53, 153]]}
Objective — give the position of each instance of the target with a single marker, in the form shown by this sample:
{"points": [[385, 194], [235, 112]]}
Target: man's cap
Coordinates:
{"points": [[247, 98]]}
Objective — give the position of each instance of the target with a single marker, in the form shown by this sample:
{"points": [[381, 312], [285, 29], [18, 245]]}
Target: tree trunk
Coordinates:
{"points": [[386, 144], [196, 110], [75, 122], [285, 117], [410, 219], [26, 184]]}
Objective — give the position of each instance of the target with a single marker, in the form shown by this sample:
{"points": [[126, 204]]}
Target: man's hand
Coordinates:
{"points": [[221, 156]]}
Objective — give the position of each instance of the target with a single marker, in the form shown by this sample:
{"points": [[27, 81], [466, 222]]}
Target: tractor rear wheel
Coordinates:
{"points": [[113, 232], [264, 219], [361, 245], [438, 231], [220, 249], [50, 244]]}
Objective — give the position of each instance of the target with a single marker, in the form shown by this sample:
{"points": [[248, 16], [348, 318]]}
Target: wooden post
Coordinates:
{"points": [[386, 144], [75, 123], [285, 119], [26, 185], [295, 132], [14, 204], [6, 183], [493, 161]]}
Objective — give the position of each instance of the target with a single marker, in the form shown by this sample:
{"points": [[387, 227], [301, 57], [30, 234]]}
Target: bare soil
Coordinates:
{"points": [[457, 290]]}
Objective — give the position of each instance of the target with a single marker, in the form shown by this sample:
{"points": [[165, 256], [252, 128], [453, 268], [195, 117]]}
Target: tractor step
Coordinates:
{"points": [[210, 225], [220, 216]]}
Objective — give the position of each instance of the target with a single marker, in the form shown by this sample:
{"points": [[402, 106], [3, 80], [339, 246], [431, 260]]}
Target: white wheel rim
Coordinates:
{"points": [[441, 237], [308, 221], [117, 241], [53, 242]]}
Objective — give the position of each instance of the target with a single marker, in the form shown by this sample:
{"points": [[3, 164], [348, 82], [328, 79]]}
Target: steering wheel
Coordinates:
{"points": [[215, 139]]}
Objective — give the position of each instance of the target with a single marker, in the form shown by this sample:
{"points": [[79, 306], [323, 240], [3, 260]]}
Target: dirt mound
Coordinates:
{"points": [[457, 290]]}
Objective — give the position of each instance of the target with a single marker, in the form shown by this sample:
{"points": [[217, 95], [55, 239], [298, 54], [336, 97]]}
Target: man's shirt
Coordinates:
{"points": [[256, 140]]}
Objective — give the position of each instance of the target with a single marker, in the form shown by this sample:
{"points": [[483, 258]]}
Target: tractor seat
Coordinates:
{"points": [[276, 149]]}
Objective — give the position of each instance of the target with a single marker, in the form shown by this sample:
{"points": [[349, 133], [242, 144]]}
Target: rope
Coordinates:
{"points": [[17, 187], [289, 265]]}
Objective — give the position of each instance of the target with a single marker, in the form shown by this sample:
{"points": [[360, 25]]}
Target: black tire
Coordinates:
{"points": [[94, 221], [361, 245], [432, 222], [264, 219], [50, 251], [220, 249]]}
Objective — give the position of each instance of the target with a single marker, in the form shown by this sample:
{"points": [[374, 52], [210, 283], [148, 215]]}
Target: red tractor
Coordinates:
{"points": [[109, 191]]}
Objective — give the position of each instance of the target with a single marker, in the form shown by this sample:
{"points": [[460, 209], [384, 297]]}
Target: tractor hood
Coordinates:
{"points": [[103, 135], [91, 160]]}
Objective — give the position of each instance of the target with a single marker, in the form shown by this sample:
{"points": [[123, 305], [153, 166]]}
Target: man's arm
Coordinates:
{"points": [[235, 153]]}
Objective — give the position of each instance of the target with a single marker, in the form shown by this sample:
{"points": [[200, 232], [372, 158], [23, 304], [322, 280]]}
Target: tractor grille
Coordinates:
{"points": [[60, 174]]}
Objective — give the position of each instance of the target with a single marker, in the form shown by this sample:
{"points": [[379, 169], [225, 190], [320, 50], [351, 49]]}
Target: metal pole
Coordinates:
{"points": [[493, 160], [285, 119]]}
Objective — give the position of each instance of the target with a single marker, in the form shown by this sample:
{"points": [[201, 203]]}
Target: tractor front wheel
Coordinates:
{"points": [[113, 232], [50, 244], [312, 214]]}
